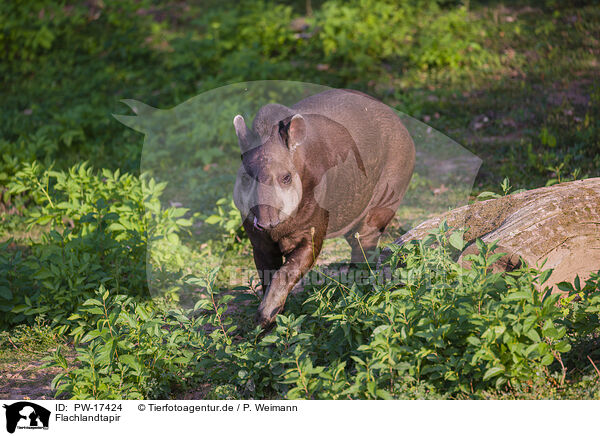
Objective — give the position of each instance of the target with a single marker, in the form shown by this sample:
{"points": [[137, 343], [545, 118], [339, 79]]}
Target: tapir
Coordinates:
{"points": [[335, 164]]}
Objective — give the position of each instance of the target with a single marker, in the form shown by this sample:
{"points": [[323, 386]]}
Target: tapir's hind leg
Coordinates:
{"points": [[369, 231]]}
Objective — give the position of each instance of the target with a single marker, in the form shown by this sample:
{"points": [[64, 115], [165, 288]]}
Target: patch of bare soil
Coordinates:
{"points": [[23, 378]]}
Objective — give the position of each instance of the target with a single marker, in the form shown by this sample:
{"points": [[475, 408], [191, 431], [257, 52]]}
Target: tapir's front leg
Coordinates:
{"points": [[298, 262], [268, 258]]}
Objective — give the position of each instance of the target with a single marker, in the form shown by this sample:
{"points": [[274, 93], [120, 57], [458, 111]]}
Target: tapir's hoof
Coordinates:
{"points": [[264, 319]]}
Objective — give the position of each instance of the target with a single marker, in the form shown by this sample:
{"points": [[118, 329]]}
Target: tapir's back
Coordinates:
{"points": [[369, 121], [385, 149]]}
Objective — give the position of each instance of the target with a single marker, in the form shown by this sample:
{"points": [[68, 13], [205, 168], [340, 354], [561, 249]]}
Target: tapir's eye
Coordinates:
{"points": [[287, 179]]}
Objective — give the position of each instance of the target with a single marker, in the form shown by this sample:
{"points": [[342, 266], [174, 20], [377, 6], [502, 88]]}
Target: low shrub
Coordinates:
{"points": [[129, 350], [434, 330], [98, 227]]}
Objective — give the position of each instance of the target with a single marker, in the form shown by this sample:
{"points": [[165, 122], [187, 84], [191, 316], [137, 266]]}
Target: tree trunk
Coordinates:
{"points": [[560, 223]]}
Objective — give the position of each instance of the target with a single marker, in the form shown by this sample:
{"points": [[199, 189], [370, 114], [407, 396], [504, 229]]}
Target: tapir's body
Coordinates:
{"points": [[334, 164]]}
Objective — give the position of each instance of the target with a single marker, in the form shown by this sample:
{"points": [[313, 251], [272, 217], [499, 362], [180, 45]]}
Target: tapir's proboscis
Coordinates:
{"points": [[334, 164]]}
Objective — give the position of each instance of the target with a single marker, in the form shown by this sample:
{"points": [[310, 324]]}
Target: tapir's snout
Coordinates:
{"points": [[265, 217]]}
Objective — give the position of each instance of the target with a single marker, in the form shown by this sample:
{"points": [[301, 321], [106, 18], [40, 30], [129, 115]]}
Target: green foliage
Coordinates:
{"points": [[59, 68], [14, 154], [98, 229], [506, 189], [582, 307], [86, 56], [132, 350], [227, 218], [36, 337], [66, 65], [434, 329], [32, 29], [358, 36], [16, 280]]}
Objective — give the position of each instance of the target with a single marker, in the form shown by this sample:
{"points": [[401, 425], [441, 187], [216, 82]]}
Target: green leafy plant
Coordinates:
{"points": [[98, 233], [227, 218], [132, 350], [434, 329]]}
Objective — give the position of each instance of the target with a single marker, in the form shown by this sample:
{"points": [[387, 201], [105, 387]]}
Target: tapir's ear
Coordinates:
{"points": [[293, 131], [243, 133]]}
